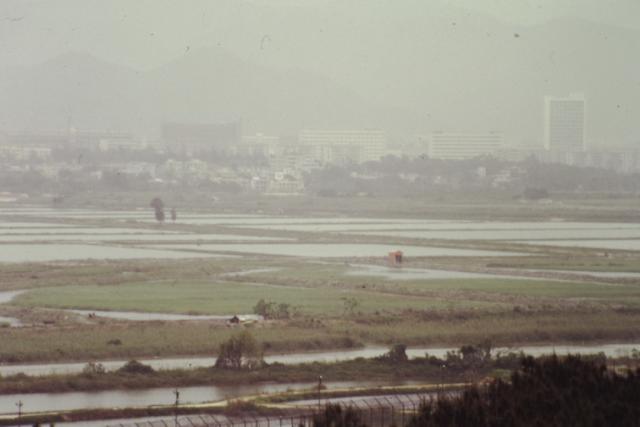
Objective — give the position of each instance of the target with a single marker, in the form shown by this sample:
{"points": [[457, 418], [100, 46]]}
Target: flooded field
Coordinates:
{"points": [[40, 402], [166, 317], [621, 245], [101, 236], [517, 234], [55, 229], [414, 273], [8, 296], [335, 250], [432, 225], [9, 321], [65, 252]]}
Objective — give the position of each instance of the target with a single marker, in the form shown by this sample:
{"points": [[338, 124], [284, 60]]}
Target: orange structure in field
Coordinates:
{"points": [[395, 258]]}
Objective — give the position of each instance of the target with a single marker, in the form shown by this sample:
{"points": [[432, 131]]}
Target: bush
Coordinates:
{"points": [[396, 354], [545, 392], [135, 367], [240, 351], [93, 368], [272, 310]]}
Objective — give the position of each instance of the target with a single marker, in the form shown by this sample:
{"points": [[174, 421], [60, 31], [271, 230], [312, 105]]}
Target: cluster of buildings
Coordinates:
{"points": [[189, 152], [275, 164], [564, 141]]}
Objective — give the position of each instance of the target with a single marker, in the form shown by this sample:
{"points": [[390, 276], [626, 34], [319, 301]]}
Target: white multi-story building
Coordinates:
{"points": [[564, 123], [344, 146], [461, 145], [260, 144]]}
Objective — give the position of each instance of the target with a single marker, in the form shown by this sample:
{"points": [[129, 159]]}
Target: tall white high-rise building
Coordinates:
{"points": [[565, 120]]}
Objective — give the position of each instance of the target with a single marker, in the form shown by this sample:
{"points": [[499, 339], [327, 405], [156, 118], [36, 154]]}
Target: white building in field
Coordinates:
{"points": [[464, 145], [344, 146], [564, 123]]}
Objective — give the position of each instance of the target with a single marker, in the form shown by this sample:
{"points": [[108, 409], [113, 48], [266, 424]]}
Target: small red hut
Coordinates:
{"points": [[395, 258]]}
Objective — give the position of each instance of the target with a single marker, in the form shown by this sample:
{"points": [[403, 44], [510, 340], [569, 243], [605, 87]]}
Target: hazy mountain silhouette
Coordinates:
{"points": [[474, 73]]}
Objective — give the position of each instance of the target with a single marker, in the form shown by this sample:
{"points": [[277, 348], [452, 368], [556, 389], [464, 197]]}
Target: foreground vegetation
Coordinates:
{"points": [[113, 340], [240, 361], [550, 392]]}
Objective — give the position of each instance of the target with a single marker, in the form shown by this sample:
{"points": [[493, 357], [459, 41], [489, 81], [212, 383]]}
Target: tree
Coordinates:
{"points": [[396, 354], [159, 216], [135, 367], [158, 206], [271, 310], [549, 391], [157, 203], [93, 368], [240, 351]]}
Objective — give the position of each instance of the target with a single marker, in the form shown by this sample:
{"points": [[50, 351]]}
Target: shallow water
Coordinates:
{"points": [[7, 225], [65, 252], [603, 274], [610, 350], [138, 316], [624, 245], [146, 237], [404, 273], [8, 296], [529, 234], [121, 398], [11, 321], [434, 226], [335, 250], [73, 230], [35, 402]]}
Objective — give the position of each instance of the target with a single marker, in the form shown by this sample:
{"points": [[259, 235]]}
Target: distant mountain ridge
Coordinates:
{"points": [[472, 74]]}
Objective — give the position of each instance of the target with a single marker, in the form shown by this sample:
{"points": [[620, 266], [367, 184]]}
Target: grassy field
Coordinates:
{"points": [[83, 342], [448, 312], [228, 298], [416, 312], [529, 291]]}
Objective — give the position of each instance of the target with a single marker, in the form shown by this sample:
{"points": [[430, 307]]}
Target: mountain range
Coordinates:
{"points": [[471, 73]]}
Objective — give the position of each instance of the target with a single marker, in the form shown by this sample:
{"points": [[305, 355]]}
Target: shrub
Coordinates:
{"points": [[93, 368], [135, 367], [240, 351], [545, 392], [272, 310], [396, 354]]}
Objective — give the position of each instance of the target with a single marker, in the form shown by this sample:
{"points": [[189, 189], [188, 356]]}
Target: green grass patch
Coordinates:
{"points": [[225, 298]]}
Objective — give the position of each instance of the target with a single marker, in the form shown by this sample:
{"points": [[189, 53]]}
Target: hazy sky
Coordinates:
{"points": [[438, 64], [147, 33]]}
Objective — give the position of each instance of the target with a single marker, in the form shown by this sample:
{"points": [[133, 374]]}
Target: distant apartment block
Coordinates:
{"points": [[259, 144], [565, 120], [195, 137], [461, 145], [68, 137], [344, 146]]}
